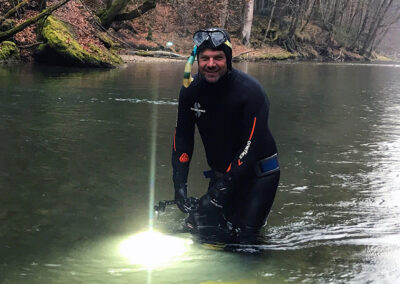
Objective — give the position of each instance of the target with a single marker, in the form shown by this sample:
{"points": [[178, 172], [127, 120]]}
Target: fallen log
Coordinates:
{"points": [[159, 53]]}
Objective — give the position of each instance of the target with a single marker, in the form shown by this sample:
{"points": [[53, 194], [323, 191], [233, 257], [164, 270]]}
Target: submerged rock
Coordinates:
{"points": [[8, 52], [61, 48]]}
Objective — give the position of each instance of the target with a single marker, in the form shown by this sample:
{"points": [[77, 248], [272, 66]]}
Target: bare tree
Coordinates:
{"points": [[247, 21], [376, 24], [271, 16], [295, 19], [309, 14]]}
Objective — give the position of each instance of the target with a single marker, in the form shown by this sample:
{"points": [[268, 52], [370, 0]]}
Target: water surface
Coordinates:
{"points": [[81, 151]]}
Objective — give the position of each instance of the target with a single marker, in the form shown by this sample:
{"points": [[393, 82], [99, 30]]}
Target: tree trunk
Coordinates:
{"points": [[270, 20], [309, 16], [107, 16], [380, 15], [108, 4], [342, 12], [295, 20], [362, 28], [247, 21], [322, 11], [7, 34], [332, 20], [376, 44], [224, 13], [43, 5], [352, 16]]}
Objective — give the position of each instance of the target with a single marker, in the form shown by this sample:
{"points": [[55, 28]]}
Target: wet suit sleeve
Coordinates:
{"points": [[253, 132], [183, 142]]}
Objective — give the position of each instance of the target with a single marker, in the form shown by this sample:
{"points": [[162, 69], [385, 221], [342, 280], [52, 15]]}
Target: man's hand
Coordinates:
{"points": [[181, 199], [219, 192]]}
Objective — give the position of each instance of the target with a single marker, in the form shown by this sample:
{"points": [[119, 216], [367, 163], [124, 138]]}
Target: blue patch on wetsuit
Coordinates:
{"points": [[268, 165]]}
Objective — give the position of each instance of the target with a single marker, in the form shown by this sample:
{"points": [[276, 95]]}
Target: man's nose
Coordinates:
{"points": [[211, 63]]}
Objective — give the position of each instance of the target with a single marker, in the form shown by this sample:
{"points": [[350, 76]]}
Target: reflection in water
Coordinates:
{"points": [[86, 154], [153, 149]]}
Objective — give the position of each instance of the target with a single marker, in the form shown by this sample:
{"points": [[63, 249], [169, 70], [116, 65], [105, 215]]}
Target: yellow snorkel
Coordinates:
{"points": [[187, 75]]}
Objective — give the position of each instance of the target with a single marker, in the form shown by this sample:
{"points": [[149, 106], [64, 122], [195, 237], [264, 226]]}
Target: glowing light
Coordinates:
{"points": [[153, 249]]}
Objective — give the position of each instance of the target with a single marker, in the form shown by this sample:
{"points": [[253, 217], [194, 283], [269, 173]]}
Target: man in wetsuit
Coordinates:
{"points": [[230, 109]]}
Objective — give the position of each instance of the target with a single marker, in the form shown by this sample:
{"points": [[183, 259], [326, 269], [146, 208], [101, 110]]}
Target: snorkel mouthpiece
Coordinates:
{"points": [[187, 75]]}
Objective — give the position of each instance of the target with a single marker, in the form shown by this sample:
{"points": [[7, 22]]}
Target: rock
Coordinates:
{"points": [[61, 48], [8, 52]]}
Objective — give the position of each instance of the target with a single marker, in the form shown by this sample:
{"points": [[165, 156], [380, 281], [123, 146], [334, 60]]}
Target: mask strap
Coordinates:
{"points": [[187, 75], [227, 42]]}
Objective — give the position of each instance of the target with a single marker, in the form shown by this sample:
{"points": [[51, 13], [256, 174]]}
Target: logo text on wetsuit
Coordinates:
{"points": [[196, 108], [246, 150]]}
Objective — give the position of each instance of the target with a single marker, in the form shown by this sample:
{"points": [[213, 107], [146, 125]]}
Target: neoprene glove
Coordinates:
{"points": [[219, 191], [181, 199]]}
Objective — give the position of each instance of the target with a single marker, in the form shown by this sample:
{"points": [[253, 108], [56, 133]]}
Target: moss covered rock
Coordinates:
{"points": [[283, 55], [61, 48], [8, 52]]}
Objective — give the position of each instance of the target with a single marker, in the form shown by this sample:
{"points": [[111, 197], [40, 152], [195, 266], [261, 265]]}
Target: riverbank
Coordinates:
{"points": [[260, 55], [72, 37]]}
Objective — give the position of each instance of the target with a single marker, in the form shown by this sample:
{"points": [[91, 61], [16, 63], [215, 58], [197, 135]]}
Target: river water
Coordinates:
{"points": [[86, 153]]}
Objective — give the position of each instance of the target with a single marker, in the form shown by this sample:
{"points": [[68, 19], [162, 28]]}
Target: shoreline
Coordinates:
{"points": [[129, 58], [133, 58]]}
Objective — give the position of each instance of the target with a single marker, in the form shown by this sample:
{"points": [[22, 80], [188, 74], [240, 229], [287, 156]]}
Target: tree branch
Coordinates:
{"points": [[15, 9], [145, 7], [7, 34]]}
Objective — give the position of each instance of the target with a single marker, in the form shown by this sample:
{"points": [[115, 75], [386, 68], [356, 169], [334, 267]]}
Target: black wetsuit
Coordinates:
{"points": [[232, 119]]}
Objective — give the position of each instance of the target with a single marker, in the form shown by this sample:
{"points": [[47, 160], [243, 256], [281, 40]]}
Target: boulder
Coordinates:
{"points": [[61, 48], [8, 52]]}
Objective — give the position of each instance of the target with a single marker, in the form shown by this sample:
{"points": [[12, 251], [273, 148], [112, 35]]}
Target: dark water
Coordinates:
{"points": [[83, 150]]}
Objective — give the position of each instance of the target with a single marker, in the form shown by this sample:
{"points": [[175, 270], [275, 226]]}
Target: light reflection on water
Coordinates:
{"points": [[81, 149]]}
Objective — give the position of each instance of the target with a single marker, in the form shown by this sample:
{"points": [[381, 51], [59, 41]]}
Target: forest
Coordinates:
{"points": [[97, 32]]}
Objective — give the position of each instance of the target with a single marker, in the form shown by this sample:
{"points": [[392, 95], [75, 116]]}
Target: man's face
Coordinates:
{"points": [[212, 64]]}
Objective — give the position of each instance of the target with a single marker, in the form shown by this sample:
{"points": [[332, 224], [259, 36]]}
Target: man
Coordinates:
{"points": [[230, 110]]}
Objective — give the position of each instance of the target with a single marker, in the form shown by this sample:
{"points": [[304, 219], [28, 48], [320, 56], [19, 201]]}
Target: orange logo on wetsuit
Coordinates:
{"points": [[184, 158]]}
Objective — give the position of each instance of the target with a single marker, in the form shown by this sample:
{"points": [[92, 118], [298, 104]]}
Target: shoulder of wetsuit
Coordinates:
{"points": [[196, 80], [246, 84], [245, 79], [192, 89]]}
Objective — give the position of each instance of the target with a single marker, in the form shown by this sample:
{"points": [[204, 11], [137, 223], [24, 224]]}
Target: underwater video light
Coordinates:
{"points": [[153, 249]]}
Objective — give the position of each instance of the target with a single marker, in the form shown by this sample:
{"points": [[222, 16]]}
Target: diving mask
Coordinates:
{"points": [[215, 36]]}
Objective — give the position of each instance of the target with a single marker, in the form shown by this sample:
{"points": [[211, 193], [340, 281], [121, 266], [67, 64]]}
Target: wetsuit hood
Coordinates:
{"points": [[223, 47]]}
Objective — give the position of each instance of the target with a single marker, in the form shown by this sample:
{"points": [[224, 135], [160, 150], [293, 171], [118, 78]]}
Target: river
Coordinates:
{"points": [[86, 153]]}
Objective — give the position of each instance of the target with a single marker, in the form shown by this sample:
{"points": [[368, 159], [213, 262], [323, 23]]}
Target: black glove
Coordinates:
{"points": [[219, 191], [181, 199]]}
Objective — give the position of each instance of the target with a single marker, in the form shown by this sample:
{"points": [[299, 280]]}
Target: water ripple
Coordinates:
{"points": [[146, 101]]}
